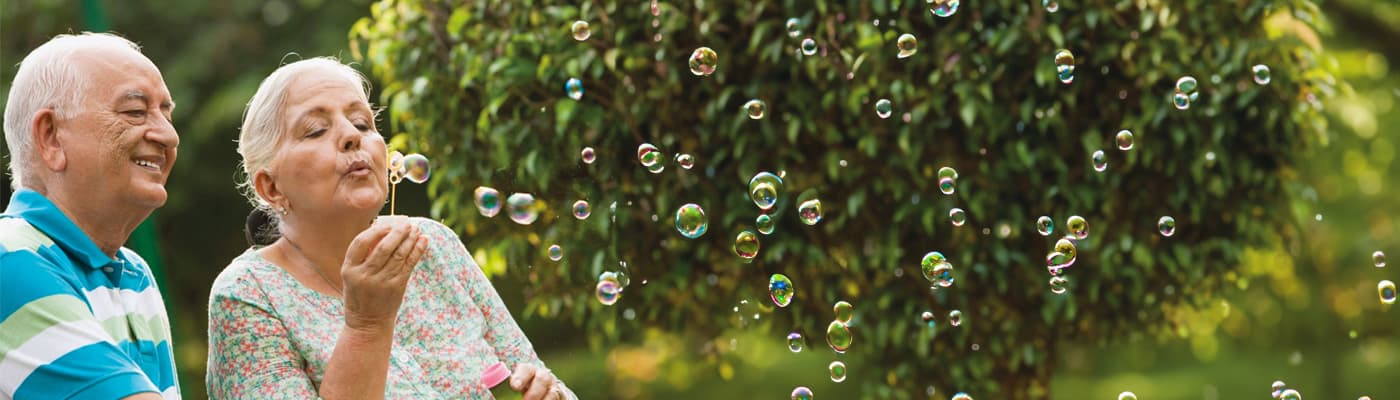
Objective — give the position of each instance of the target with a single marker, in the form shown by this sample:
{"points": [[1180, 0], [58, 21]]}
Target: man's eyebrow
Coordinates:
{"points": [[134, 95]]}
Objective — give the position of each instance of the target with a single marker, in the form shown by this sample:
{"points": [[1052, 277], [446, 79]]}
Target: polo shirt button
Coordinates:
{"points": [[107, 269]]}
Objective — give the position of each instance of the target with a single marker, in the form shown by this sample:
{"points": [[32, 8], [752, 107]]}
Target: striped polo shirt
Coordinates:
{"points": [[74, 322]]}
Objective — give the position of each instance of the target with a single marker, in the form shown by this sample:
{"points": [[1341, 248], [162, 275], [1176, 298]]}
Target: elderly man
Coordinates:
{"points": [[91, 145]]}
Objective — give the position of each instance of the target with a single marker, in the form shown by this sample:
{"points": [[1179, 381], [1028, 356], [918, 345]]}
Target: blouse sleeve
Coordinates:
{"points": [[250, 353], [504, 335]]}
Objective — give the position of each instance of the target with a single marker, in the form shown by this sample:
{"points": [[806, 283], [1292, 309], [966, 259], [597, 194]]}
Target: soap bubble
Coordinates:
{"points": [[416, 168], [523, 208], [746, 245], [1068, 247], [927, 318], [686, 161], [937, 269], [396, 167], [1045, 225], [648, 154], [844, 311], [1127, 396], [944, 8], [574, 88], [755, 108], [703, 61], [795, 342], [1124, 139], [883, 108], [802, 393], [1378, 258], [907, 45], [794, 28], [1055, 261], [764, 188], [947, 180], [580, 30], [587, 155], [581, 209], [1181, 100], [809, 46], [961, 396], [1166, 226], [1278, 387], [1186, 84], [691, 221], [1064, 66], [955, 317], [780, 290], [1057, 284], [1290, 394], [1386, 289], [488, 201], [764, 223], [1100, 161], [1185, 92], [810, 211], [1050, 5], [656, 168], [1261, 74], [838, 336], [1077, 226], [838, 371], [608, 292], [555, 252], [958, 216]]}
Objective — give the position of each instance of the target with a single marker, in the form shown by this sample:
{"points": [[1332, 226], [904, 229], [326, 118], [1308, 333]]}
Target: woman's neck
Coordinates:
{"points": [[322, 241]]}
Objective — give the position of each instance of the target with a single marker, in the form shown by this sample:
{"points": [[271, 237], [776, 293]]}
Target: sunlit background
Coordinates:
{"points": [[1300, 306]]}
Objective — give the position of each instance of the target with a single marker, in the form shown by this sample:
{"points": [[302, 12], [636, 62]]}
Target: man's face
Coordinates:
{"points": [[121, 145]]}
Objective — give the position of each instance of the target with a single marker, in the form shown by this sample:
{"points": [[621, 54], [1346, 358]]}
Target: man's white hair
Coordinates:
{"points": [[48, 79]]}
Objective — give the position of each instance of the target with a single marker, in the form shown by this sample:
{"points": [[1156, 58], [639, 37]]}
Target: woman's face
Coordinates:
{"points": [[331, 160]]}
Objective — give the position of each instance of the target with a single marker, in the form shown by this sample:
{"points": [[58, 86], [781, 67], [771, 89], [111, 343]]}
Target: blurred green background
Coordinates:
{"points": [[1301, 308]]}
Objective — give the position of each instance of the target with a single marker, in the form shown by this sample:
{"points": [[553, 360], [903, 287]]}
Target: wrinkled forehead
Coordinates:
{"points": [[120, 72], [318, 91]]}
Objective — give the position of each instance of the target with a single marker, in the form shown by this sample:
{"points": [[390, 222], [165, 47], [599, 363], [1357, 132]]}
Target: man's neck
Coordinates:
{"points": [[107, 224]]}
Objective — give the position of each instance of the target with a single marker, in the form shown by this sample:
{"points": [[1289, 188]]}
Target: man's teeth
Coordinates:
{"points": [[145, 163]]}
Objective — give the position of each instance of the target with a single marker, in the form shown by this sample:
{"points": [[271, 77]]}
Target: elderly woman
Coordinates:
{"points": [[344, 304]]}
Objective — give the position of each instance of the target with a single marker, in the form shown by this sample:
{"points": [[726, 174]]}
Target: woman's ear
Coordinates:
{"points": [[267, 189]]}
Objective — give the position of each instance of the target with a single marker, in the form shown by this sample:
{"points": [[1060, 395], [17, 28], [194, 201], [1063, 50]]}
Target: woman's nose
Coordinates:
{"points": [[350, 141]]}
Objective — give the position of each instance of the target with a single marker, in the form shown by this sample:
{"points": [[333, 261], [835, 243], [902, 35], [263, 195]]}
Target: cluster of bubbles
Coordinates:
{"points": [[580, 30], [609, 288], [947, 180], [1282, 392], [703, 61], [691, 221], [944, 8], [1064, 66], [650, 157], [907, 45], [755, 109], [574, 88], [780, 290], [838, 333], [1185, 93], [414, 167], [937, 270]]}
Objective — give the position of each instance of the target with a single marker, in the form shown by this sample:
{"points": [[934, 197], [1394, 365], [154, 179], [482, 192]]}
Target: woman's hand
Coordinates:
{"points": [[376, 270], [535, 383]]}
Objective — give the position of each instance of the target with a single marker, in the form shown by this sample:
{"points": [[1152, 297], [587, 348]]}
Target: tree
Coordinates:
{"points": [[478, 88]]}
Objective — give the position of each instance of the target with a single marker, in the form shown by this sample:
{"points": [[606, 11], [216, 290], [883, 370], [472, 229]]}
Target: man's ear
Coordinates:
{"points": [[267, 189], [47, 145]]}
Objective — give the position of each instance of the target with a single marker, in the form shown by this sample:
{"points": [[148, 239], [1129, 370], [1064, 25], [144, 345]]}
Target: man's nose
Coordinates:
{"points": [[164, 134]]}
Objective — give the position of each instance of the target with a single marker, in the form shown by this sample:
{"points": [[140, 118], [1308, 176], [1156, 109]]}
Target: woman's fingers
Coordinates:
{"points": [[403, 253], [419, 250], [386, 247], [359, 248], [541, 386]]}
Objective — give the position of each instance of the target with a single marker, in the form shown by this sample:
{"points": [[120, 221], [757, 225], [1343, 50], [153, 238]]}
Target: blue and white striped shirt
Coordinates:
{"points": [[75, 323]]}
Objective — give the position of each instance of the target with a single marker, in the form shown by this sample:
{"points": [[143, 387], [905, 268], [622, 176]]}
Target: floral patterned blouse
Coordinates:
{"points": [[271, 337]]}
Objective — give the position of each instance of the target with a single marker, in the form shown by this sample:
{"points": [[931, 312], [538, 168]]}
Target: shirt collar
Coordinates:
{"points": [[45, 216]]}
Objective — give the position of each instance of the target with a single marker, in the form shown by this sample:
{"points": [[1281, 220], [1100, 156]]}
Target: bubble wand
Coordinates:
{"points": [[414, 166]]}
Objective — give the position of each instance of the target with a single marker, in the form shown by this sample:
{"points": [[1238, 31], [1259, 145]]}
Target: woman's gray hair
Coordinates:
{"points": [[263, 121], [48, 78]]}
